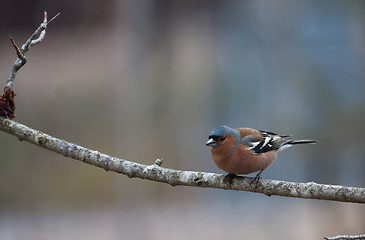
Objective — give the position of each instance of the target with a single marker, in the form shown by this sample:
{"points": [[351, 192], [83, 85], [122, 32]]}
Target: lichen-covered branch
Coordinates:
{"points": [[346, 237], [155, 172]]}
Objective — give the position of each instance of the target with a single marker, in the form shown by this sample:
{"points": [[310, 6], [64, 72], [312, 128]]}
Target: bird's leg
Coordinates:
{"points": [[229, 178], [257, 178]]}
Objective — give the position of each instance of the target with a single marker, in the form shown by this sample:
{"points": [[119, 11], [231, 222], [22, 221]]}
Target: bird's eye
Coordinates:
{"points": [[223, 138]]}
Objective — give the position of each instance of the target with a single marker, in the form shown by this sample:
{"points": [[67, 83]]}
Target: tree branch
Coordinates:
{"points": [[346, 237], [174, 177], [34, 39]]}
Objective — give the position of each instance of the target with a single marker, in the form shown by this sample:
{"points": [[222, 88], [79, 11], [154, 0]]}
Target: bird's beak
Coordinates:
{"points": [[211, 143]]}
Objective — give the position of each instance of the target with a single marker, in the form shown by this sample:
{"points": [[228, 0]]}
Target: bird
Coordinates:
{"points": [[247, 150]]}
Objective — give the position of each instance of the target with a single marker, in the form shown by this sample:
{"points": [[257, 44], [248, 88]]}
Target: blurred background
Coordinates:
{"points": [[150, 79]]}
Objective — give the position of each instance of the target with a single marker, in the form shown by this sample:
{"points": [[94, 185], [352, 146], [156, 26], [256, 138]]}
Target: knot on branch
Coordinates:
{"points": [[7, 103], [158, 162]]}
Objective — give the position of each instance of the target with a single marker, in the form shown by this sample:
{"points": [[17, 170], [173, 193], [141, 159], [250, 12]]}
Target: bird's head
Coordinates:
{"points": [[223, 135]]}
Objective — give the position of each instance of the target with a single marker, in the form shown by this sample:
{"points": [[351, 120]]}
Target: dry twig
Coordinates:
{"points": [[34, 39], [7, 102]]}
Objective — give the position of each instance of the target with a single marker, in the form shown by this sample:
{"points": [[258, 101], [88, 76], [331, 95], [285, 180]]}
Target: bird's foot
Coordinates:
{"points": [[229, 178], [257, 179]]}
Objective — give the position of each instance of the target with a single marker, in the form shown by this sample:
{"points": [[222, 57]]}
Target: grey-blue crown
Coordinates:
{"points": [[223, 129], [220, 130]]}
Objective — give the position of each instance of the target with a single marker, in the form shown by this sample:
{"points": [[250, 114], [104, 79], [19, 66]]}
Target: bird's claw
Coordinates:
{"points": [[257, 179], [229, 178]]}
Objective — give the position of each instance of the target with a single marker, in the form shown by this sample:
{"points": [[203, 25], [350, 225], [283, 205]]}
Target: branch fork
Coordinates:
{"points": [[7, 102]]}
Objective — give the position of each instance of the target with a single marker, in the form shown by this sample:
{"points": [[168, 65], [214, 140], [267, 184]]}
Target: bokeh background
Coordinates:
{"points": [[149, 79]]}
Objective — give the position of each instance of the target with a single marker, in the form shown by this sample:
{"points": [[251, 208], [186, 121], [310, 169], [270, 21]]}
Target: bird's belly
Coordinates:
{"points": [[240, 162]]}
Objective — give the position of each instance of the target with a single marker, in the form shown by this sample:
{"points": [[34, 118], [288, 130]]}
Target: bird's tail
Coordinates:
{"points": [[291, 142], [294, 142]]}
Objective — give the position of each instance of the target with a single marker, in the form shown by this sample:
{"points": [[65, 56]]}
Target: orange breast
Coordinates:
{"points": [[242, 160]]}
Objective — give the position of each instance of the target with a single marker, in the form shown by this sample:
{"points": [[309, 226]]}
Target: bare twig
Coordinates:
{"points": [[53, 18], [18, 53], [346, 237], [35, 38], [174, 177], [42, 34]]}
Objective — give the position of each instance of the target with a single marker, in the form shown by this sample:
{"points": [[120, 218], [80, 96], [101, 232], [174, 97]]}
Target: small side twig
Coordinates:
{"points": [[18, 52], [346, 237], [53, 18]]}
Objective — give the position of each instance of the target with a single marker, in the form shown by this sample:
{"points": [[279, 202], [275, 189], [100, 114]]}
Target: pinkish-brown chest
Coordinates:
{"points": [[241, 160]]}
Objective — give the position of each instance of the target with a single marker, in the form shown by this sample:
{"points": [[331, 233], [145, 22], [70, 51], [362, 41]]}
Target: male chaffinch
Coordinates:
{"points": [[246, 150]]}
